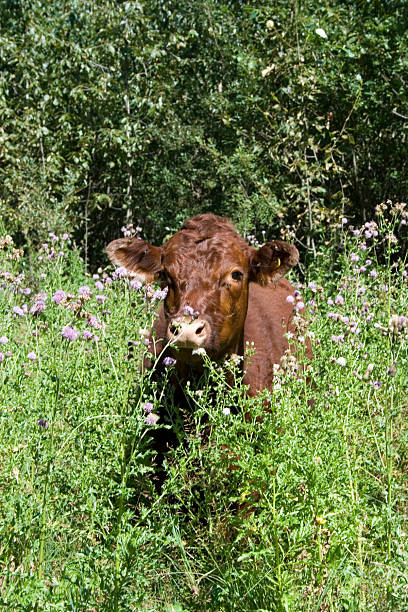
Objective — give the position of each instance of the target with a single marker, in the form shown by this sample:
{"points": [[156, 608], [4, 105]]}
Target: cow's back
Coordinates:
{"points": [[268, 319]]}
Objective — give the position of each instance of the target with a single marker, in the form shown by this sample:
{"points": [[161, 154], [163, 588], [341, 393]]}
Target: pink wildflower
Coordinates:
{"points": [[152, 418], [69, 333], [59, 296]]}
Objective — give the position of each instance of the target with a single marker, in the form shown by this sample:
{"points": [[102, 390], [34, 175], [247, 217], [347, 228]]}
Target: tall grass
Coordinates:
{"points": [[298, 506]]}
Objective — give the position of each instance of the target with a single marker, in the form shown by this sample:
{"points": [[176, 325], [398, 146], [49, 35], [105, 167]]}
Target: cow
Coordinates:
{"points": [[223, 295]]}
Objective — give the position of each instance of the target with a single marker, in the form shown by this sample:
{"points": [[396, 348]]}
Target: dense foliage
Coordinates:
{"points": [[83, 525], [281, 115]]}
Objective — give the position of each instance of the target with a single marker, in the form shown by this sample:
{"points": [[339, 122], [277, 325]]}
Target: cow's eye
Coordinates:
{"points": [[236, 275]]}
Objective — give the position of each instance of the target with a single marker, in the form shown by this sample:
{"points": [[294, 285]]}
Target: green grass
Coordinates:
{"points": [[82, 524]]}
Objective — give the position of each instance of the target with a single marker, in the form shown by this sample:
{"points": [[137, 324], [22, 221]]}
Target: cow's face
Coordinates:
{"points": [[207, 267]]}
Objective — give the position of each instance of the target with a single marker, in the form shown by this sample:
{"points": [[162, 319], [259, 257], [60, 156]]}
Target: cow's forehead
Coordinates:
{"points": [[187, 253]]}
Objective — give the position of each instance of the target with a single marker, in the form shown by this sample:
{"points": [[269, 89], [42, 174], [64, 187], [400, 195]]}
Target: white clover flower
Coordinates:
{"points": [[200, 351], [320, 32]]}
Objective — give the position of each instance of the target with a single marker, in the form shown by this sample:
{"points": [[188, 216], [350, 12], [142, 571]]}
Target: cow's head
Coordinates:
{"points": [[207, 267]]}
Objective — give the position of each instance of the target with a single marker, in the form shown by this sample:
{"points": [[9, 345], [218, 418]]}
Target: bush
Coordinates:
{"points": [[276, 116]]}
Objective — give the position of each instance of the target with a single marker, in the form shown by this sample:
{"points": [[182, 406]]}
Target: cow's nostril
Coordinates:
{"points": [[174, 330], [200, 330]]}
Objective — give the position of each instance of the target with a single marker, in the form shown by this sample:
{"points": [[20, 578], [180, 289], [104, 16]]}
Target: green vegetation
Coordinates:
{"points": [[302, 509], [282, 115]]}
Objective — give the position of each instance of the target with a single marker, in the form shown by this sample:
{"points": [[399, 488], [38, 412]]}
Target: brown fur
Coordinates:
{"points": [[237, 290]]}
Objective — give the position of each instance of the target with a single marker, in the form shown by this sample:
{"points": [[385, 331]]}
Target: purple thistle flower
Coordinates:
{"points": [[148, 407], [333, 315], [299, 306], [59, 296], [84, 290], [152, 418], [363, 246], [3, 340], [169, 361], [43, 276], [100, 298], [354, 257], [341, 361], [43, 423], [160, 294], [37, 307], [119, 273], [65, 236], [330, 302], [1, 357], [95, 276], [290, 299], [99, 285], [93, 322], [32, 356], [26, 291], [87, 335], [69, 333], [339, 300], [135, 284]]}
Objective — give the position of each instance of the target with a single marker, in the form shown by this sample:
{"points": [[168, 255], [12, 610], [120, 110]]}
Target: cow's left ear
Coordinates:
{"points": [[269, 263], [140, 258]]}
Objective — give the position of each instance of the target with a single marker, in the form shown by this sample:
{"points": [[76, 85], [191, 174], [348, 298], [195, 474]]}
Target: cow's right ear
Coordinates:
{"points": [[140, 258], [269, 263]]}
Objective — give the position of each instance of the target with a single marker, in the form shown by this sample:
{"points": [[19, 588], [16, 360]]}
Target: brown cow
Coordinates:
{"points": [[222, 294]]}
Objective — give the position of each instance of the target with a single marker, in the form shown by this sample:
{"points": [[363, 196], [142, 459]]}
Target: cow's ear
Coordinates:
{"points": [[269, 263], [140, 258]]}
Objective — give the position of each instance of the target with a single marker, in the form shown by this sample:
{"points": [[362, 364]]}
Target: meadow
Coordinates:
{"points": [[83, 522]]}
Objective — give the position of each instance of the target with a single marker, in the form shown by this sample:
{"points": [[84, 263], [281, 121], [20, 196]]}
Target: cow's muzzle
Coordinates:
{"points": [[188, 333]]}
